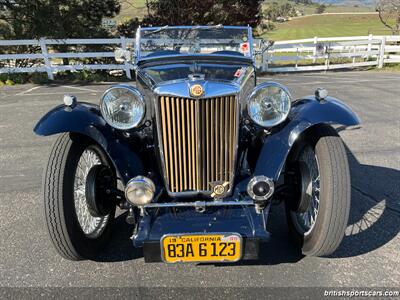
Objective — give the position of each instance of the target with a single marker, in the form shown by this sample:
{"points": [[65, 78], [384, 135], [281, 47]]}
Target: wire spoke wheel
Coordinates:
{"points": [[305, 220], [74, 232], [319, 175], [91, 226]]}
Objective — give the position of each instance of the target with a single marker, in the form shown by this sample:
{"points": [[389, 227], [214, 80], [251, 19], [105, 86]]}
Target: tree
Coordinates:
{"points": [[128, 28], [275, 11], [56, 18], [389, 14], [305, 2], [205, 12], [320, 9]]}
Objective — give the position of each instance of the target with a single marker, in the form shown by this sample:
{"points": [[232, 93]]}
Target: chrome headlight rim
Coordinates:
{"points": [[130, 89], [265, 85], [137, 183]]}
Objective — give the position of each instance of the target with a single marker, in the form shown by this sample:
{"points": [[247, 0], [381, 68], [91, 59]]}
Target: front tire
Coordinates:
{"points": [[74, 232], [318, 213]]}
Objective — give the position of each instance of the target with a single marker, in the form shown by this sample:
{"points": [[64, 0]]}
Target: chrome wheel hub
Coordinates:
{"points": [[91, 226], [305, 217]]}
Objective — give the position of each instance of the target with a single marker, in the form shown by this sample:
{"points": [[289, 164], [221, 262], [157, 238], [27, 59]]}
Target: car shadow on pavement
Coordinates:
{"points": [[120, 247], [375, 208], [280, 249], [374, 221]]}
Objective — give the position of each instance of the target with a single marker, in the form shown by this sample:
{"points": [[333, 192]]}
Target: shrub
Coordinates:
{"points": [[14, 78], [39, 78], [9, 82]]}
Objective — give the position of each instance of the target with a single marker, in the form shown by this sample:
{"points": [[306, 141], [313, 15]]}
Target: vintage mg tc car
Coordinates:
{"points": [[197, 153]]}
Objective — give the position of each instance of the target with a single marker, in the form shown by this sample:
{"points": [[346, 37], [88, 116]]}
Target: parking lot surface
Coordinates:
{"points": [[368, 256]]}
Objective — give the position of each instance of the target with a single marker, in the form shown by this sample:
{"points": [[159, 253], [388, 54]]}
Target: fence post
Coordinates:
{"points": [[370, 38], [47, 62], [264, 61], [126, 63], [381, 59], [327, 62], [315, 49]]}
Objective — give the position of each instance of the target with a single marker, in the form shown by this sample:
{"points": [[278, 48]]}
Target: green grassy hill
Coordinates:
{"points": [[310, 9], [328, 26], [370, 3]]}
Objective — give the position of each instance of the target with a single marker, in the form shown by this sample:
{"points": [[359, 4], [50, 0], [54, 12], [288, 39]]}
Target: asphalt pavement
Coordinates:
{"points": [[368, 256]]}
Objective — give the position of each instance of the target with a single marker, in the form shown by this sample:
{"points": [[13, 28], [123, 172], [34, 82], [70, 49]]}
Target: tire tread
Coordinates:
{"points": [[52, 192], [335, 193], [332, 152]]}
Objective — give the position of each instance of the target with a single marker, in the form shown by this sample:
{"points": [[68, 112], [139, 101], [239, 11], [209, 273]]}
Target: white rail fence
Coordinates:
{"points": [[322, 54], [316, 54], [51, 60]]}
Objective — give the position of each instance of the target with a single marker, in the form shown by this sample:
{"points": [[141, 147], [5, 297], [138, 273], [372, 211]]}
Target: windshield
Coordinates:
{"points": [[210, 71], [225, 40]]}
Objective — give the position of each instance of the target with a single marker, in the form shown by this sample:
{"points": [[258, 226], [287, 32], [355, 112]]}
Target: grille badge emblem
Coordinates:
{"points": [[196, 90], [219, 189]]}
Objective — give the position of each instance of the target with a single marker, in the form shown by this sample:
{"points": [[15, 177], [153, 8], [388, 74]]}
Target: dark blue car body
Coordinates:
{"points": [[137, 152]]}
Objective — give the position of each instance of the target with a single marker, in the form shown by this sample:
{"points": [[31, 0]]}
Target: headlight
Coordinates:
{"points": [[140, 190], [122, 107], [269, 104]]}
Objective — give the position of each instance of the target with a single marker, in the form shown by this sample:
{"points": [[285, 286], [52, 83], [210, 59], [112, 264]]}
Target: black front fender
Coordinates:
{"points": [[86, 119], [305, 113]]}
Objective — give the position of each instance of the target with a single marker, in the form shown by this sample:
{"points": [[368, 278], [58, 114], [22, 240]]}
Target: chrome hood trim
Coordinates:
{"points": [[181, 88]]}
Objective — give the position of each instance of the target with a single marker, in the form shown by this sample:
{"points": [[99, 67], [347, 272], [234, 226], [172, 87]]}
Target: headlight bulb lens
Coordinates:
{"points": [[269, 104], [122, 107], [140, 191]]}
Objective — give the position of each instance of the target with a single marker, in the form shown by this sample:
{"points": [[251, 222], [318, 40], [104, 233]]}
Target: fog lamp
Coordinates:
{"points": [[260, 188], [140, 191]]}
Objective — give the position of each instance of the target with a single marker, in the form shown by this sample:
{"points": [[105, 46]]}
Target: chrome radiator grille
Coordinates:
{"points": [[198, 138]]}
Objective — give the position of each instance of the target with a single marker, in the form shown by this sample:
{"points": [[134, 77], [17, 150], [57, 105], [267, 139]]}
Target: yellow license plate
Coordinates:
{"points": [[224, 247]]}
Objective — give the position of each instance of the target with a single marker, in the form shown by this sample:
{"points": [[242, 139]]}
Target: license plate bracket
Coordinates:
{"points": [[201, 247]]}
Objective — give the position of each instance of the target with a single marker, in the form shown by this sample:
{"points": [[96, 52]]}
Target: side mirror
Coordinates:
{"points": [[269, 43], [122, 55], [265, 45]]}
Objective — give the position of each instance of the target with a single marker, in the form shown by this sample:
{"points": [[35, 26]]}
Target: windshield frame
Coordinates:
{"points": [[139, 58]]}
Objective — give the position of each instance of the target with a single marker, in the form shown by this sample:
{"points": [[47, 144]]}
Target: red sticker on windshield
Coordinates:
{"points": [[244, 47]]}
